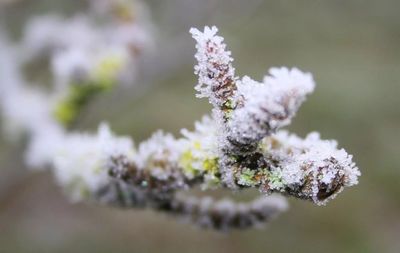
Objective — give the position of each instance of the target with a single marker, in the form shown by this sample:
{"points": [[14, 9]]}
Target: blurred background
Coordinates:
{"points": [[351, 47]]}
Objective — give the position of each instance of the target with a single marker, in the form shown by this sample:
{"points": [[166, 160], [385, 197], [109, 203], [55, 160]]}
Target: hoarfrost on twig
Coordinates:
{"points": [[239, 146]]}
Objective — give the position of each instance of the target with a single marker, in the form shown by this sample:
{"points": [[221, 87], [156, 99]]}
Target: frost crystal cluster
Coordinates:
{"points": [[239, 146]]}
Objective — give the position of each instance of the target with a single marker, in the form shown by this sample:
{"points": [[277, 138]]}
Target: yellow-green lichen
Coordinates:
{"points": [[125, 10], [247, 177], [230, 104], [186, 162], [194, 166], [106, 71], [78, 95], [210, 165], [275, 180], [228, 108]]}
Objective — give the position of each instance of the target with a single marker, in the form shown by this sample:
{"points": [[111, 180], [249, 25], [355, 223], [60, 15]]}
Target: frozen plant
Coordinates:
{"points": [[95, 50], [239, 146]]}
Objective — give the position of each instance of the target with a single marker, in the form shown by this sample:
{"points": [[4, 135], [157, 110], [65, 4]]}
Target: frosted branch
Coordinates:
{"points": [[239, 146]]}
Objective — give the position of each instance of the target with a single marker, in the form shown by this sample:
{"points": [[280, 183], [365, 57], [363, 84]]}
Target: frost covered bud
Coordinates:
{"points": [[154, 167], [216, 74], [309, 168], [80, 161], [268, 105]]}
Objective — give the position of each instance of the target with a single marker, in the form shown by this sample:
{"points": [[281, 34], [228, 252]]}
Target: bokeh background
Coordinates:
{"points": [[351, 47]]}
